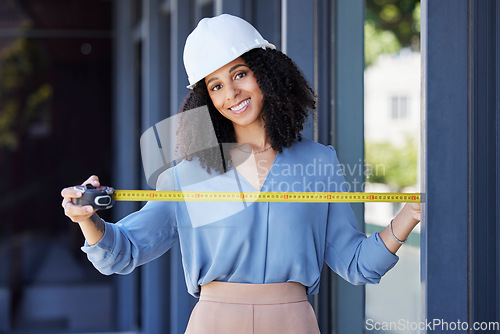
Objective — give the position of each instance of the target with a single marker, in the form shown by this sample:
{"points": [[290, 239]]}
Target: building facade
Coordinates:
{"points": [[108, 70]]}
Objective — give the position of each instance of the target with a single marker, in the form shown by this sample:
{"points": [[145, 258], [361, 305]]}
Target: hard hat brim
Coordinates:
{"points": [[263, 46]]}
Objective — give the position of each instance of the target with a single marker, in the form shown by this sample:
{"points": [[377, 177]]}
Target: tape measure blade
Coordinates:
{"points": [[278, 197]]}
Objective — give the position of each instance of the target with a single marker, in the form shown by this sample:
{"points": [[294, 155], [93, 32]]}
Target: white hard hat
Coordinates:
{"points": [[216, 42]]}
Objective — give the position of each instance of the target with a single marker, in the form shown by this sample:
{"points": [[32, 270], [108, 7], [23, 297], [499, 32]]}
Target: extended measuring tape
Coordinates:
{"points": [[104, 197]]}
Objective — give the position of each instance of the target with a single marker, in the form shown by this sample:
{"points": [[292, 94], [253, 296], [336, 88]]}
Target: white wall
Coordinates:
{"points": [[392, 75]]}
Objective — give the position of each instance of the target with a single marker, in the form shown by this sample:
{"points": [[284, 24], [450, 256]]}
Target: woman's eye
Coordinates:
{"points": [[216, 87], [240, 75]]}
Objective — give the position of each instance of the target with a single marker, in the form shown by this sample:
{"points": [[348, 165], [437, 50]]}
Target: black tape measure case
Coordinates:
{"points": [[99, 197]]}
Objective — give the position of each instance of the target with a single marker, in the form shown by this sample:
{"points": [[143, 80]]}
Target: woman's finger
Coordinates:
{"points": [[77, 210], [78, 213], [71, 192], [93, 180]]}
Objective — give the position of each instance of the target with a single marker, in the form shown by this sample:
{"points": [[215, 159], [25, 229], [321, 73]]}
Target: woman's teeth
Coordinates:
{"points": [[241, 105]]}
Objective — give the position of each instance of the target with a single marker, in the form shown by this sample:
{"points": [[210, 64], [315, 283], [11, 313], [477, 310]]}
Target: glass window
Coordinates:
{"points": [[392, 96], [55, 99]]}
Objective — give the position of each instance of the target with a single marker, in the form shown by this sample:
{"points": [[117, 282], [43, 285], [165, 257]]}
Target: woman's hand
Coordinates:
{"points": [[75, 212], [414, 211], [402, 225], [92, 226]]}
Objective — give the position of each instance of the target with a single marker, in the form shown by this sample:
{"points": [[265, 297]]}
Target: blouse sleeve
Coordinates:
{"points": [[348, 252], [139, 237]]}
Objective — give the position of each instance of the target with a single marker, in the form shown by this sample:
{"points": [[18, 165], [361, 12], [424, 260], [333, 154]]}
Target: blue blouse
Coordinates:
{"points": [[250, 242]]}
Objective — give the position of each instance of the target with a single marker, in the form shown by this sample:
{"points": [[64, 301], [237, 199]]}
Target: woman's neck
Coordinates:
{"points": [[253, 135]]}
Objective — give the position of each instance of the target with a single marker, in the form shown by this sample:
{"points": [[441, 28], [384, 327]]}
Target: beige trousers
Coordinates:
{"points": [[238, 308]]}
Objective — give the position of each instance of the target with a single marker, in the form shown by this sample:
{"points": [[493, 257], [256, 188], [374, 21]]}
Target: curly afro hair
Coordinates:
{"points": [[288, 98]]}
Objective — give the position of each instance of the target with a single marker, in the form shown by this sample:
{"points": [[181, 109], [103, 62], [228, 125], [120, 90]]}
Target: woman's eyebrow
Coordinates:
{"points": [[235, 67], [212, 79], [230, 70]]}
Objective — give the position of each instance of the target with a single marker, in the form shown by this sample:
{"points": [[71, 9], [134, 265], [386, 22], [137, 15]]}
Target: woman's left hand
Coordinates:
{"points": [[402, 225], [414, 210]]}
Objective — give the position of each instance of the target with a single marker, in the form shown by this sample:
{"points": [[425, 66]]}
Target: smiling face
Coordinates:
{"points": [[235, 93]]}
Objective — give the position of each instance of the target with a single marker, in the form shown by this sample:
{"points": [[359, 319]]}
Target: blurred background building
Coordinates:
{"points": [[80, 80], [392, 136], [55, 96]]}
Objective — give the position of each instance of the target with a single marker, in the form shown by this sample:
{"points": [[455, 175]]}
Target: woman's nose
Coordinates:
{"points": [[231, 91]]}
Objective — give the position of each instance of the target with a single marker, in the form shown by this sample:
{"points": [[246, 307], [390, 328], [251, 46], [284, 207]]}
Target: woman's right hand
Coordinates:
{"points": [[75, 212]]}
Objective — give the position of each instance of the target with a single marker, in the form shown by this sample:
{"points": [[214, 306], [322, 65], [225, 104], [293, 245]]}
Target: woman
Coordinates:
{"points": [[252, 263]]}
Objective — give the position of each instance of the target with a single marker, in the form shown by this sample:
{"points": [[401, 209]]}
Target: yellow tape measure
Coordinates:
{"points": [[283, 197]]}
